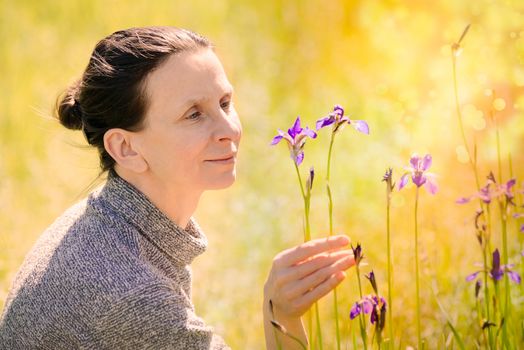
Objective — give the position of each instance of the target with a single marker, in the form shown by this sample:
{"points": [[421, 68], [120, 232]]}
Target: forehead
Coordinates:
{"points": [[185, 77]]}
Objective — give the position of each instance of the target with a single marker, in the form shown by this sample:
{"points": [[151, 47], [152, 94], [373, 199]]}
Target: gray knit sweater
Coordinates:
{"points": [[111, 273]]}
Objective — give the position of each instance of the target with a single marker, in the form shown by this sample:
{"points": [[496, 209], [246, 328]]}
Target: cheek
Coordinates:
{"points": [[175, 154], [178, 151]]}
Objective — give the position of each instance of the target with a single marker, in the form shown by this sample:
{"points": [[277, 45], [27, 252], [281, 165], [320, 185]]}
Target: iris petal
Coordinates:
{"points": [[299, 158], [496, 260], [355, 311], [418, 179], [307, 131], [462, 200], [414, 161], [367, 306], [431, 186], [295, 129], [324, 122], [514, 276], [276, 139], [426, 162], [510, 184], [361, 126], [374, 316], [339, 110], [403, 181], [471, 277]]}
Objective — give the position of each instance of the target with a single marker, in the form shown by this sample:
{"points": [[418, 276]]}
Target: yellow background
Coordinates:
{"points": [[387, 62]]}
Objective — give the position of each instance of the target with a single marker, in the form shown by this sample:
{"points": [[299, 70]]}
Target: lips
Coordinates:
{"points": [[223, 159]]}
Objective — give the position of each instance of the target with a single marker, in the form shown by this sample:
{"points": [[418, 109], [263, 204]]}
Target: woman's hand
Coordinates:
{"points": [[302, 275]]}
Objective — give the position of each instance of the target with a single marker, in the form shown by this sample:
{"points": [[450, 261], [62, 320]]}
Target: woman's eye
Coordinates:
{"points": [[225, 105], [194, 116]]}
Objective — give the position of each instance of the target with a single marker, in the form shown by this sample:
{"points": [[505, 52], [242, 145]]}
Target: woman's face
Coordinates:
{"points": [[192, 131]]}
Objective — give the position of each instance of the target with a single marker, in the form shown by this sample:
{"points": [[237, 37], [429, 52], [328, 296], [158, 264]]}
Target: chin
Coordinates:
{"points": [[222, 182]]}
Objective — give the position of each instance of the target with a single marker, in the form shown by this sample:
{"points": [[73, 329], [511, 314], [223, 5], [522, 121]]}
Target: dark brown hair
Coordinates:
{"points": [[111, 92]]}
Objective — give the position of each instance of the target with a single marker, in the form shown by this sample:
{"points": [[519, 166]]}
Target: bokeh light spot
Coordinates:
{"points": [[398, 200], [462, 154], [499, 104]]}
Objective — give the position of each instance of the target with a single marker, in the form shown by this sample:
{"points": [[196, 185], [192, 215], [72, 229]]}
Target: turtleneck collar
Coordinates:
{"points": [[181, 245]]}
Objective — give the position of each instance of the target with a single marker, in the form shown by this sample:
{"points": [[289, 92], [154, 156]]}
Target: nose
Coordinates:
{"points": [[228, 126]]}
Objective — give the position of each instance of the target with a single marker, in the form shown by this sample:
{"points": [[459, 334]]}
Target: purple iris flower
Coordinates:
{"points": [[388, 179], [309, 181], [492, 190], [357, 253], [337, 119], [296, 138], [355, 310], [371, 278], [363, 306], [371, 304], [486, 194], [378, 314], [478, 285], [417, 168], [505, 189], [497, 271]]}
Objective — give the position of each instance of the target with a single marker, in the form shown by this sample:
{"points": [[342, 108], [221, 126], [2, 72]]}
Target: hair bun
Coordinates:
{"points": [[68, 109]]}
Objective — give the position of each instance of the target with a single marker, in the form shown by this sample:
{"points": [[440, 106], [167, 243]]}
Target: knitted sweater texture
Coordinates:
{"points": [[113, 272]]}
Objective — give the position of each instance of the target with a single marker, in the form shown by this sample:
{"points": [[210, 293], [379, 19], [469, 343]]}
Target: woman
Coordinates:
{"points": [[113, 272]]}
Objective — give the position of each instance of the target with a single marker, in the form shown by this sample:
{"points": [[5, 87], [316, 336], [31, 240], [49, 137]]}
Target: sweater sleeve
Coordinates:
{"points": [[154, 317]]}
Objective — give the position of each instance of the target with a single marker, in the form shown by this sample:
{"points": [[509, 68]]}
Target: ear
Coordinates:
{"points": [[118, 143]]}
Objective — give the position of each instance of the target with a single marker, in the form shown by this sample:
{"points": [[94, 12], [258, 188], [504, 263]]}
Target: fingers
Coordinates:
{"points": [[318, 277], [324, 288], [313, 264], [305, 250]]}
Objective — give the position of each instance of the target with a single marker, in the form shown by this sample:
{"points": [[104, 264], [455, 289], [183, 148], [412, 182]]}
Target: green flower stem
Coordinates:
{"points": [[419, 337], [507, 297], [307, 237], [330, 209], [289, 335], [473, 164], [518, 202], [354, 338], [503, 218], [472, 161], [480, 321], [361, 316], [319, 329], [488, 238], [486, 295], [496, 308], [390, 297], [379, 340], [307, 232], [487, 250]]}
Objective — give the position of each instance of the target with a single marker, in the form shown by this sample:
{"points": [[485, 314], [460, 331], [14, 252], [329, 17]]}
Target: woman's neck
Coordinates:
{"points": [[178, 204]]}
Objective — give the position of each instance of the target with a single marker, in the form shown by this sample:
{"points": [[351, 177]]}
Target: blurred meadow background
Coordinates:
{"points": [[386, 62]]}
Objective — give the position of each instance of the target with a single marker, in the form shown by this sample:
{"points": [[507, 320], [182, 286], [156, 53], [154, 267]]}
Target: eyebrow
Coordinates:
{"points": [[198, 99]]}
